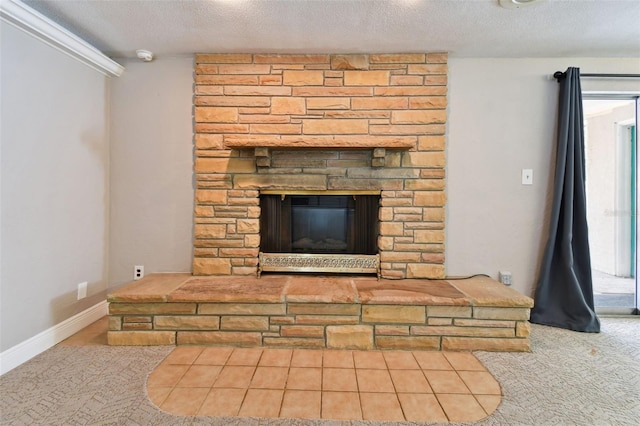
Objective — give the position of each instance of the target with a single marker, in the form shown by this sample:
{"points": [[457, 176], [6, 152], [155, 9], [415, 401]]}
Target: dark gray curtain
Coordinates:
{"points": [[564, 296]]}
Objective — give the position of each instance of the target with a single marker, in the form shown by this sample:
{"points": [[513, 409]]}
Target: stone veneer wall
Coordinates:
{"points": [[321, 325], [320, 122]]}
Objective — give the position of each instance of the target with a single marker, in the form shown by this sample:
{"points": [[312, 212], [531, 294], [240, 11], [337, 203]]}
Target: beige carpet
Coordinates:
{"points": [[569, 378]]}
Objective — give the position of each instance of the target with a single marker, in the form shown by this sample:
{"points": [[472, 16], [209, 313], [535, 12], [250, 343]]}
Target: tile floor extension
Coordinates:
{"points": [[324, 384]]}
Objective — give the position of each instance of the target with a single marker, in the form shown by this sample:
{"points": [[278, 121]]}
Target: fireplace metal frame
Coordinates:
{"points": [[325, 263]]}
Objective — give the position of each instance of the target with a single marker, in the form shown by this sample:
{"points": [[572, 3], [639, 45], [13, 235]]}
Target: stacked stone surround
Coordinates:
{"points": [[362, 314], [320, 123]]}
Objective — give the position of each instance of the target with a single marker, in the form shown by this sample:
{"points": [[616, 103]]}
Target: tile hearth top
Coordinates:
{"points": [[182, 287]]}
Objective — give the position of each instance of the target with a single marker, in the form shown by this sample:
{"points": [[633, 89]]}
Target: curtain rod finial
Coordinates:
{"points": [[559, 75]]}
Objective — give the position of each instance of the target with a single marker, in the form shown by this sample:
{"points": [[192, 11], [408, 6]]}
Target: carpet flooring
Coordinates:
{"points": [[568, 378]]}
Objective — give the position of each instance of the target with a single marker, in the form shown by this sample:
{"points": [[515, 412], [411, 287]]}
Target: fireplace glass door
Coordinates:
{"points": [[319, 224]]}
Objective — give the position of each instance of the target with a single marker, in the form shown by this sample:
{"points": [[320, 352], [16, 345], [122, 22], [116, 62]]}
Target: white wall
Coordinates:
{"points": [[501, 120], [152, 168], [54, 176]]}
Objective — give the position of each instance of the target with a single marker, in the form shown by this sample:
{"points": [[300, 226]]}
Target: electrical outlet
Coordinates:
{"points": [[505, 277], [138, 272], [82, 290]]}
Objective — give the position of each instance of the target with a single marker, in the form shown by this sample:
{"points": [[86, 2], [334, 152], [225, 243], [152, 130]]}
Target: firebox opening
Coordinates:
{"points": [[319, 224]]}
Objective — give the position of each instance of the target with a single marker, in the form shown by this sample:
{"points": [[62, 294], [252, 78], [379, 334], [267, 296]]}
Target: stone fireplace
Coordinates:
{"points": [[340, 141], [308, 156]]}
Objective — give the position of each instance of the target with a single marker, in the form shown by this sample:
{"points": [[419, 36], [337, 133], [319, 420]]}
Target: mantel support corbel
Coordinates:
{"points": [[378, 157], [263, 157]]}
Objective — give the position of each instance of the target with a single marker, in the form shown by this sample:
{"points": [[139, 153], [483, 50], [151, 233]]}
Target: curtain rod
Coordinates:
{"points": [[559, 75]]}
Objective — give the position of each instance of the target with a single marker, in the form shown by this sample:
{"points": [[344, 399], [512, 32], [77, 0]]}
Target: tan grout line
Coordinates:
{"points": [[481, 406], [394, 385], [204, 399], [462, 380], [435, 395], [355, 372], [285, 383], [246, 391], [440, 404]]}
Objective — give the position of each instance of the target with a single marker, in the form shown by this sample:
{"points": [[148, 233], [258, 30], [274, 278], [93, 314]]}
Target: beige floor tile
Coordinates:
{"points": [[489, 402], [432, 360], [234, 377], [369, 359], [214, 356], [445, 382], [304, 378], [245, 356], [306, 358], [339, 379], [420, 407], [374, 380], [183, 355], [480, 382], [337, 359], [461, 408], [200, 376], [300, 404], [464, 361], [380, 406], [222, 402], [261, 403], [341, 406], [185, 401], [166, 375], [400, 360], [331, 384], [157, 395], [269, 378], [411, 381], [276, 358]]}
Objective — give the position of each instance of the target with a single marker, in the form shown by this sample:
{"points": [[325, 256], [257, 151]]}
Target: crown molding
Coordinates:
{"points": [[23, 17]]}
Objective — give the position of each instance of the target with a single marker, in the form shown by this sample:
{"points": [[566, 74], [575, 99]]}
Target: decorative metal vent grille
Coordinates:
{"points": [[292, 262]]}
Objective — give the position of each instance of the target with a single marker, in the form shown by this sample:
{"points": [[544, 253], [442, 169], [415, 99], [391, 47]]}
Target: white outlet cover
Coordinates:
{"points": [[138, 272], [82, 290]]}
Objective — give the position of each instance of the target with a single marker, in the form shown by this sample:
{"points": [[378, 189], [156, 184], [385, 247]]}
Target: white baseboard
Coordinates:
{"points": [[23, 352]]}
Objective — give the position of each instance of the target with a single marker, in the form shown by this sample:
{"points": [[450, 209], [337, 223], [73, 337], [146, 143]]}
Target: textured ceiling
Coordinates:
{"points": [[465, 28]]}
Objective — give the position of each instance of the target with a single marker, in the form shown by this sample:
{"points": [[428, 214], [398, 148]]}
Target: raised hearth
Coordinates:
{"points": [[305, 311]]}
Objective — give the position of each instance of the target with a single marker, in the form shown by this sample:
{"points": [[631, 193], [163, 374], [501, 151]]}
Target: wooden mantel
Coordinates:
{"points": [[323, 142], [264, 144]]}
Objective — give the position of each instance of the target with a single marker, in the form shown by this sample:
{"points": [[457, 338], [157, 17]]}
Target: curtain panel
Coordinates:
{"points": [[564, 294]]}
